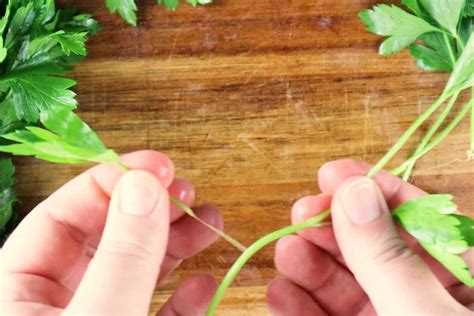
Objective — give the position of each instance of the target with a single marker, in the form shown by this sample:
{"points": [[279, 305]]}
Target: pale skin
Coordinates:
{"points": [[101, 243]]}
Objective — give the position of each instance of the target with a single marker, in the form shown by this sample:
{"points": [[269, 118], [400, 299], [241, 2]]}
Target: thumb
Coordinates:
{"points": [[396, 280], [121, 277]]}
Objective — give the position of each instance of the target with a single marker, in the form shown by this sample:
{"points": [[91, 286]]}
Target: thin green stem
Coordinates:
{"points": [[450, 48], [316, 221], [191, 213], [429, 135], [471, 152], [462, 45], [218, 232], [121, 165], [404, 138], [436, 141]]}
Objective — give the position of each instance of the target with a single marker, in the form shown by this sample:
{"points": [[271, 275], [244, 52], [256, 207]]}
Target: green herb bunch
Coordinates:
{"points": [[38, 45], [127, 8], [438, 34]]}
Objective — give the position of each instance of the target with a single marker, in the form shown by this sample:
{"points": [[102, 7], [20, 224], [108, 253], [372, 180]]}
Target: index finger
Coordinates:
{"points": [[51, 239]]}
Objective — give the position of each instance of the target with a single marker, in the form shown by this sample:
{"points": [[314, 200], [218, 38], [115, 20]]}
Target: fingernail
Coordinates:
{"points": [[362, 201], [139, 193]]}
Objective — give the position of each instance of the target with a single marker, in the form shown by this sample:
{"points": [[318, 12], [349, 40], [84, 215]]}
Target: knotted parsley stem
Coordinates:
{"points": [[316, 221]]}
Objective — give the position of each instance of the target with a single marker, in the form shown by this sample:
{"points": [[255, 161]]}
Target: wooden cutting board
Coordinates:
{"points": [[250, 98]]}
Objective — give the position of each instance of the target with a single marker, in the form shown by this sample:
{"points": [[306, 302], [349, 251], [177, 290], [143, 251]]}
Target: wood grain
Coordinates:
{"points": [[250, 98]]}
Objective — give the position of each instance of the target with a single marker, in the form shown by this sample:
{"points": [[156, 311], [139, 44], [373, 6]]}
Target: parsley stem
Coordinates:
{"points": [[435, 142], [404, 138], [431, 132], [450, 48], [316, 221], [218, 232], [471, 152], [460, 42]]}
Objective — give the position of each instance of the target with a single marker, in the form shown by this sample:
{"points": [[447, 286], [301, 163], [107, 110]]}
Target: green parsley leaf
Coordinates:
{"points": [[402, 27], [202, 2], [433, 54], [446, 13], [469, 8], [173, 4], [69, 21], [125, 8], [170, 4], [466, 227], [39, 44], [445, 235], [3, 24], [414, 6], [65, 139], [454, 263], [7, 193], [69, 42], [33, 92], [8, 120], [20, 24]]}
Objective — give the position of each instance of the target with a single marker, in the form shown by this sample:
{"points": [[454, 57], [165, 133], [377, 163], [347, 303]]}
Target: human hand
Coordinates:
{"points": [[99, 244], [362, 265]]}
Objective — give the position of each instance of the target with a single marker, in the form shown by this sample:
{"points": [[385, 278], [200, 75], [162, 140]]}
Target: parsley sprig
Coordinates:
{"points": [[438, 34], [127, 8], [65, 138], [38, 45]]}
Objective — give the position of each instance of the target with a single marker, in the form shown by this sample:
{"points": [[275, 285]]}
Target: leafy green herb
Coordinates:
{"points": [[431, 219], [449, 47], [127, 8], [439, 36], [39, 44], [402, 27], [442, 27], [433, 55], [7, 194], [446, 13], [65, 139], [469, 9]]}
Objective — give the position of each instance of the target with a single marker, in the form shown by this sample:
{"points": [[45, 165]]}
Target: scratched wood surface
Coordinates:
{"points": [[250, 98]]}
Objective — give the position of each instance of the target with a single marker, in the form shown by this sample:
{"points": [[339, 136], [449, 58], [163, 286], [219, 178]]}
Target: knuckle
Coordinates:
{"points": [[125, 249], [393, 251]]}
